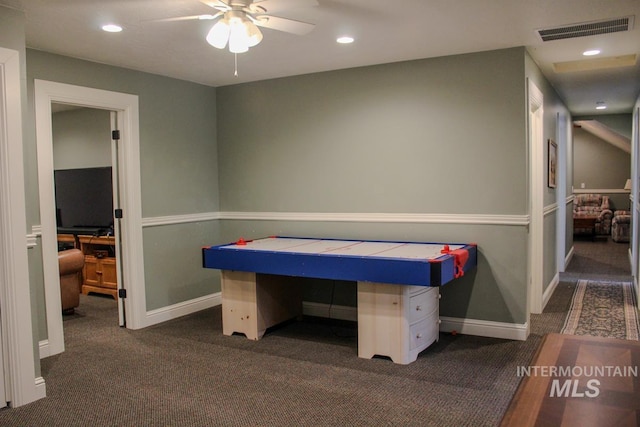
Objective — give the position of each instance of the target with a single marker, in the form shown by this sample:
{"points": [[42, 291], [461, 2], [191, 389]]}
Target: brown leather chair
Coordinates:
{"points": [[71, 263]]}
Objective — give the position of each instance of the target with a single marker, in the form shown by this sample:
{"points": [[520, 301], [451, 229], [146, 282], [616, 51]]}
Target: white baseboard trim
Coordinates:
{"points": [[568, 258], [45, 350], [182, 309], [330, 311], [550, 290], [40, 388], [485, 328]]}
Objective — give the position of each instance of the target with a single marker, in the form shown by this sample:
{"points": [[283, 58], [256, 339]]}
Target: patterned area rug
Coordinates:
{"points": [[603, 309]]}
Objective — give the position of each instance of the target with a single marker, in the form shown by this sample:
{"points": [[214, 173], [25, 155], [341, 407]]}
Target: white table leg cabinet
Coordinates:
{"points": [[398, 321], [252, 302]]}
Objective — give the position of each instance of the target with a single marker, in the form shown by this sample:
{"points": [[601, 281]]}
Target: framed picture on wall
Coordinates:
{"points": [[552, 149]]}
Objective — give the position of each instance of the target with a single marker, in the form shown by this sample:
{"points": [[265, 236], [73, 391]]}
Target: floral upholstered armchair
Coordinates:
{"points": [[594, 205], [620, 226]]}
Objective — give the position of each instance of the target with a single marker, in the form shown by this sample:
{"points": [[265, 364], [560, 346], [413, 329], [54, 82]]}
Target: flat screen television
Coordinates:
{"points": [[84, 197]]}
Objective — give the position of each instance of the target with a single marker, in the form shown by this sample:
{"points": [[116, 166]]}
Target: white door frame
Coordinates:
{"points": [[126, 108], [634, 202], [536, 198], [18, 361], [562, 138]]}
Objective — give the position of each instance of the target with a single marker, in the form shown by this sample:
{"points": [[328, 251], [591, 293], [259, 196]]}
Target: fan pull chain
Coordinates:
{"points": [[235, 57]]}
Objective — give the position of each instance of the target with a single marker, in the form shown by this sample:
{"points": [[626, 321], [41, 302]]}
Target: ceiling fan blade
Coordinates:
{"points": [[187, 18], [217, 4], [284, 24], [275, 6]]}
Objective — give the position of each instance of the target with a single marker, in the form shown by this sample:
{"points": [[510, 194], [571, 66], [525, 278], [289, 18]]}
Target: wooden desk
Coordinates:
{"points": [[605, 398], [585, 222], [100, 274], [68, 239]]}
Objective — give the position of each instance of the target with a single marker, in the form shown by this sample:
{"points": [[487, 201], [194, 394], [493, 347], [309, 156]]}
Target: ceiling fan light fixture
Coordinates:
{"points": [[255, 35], [219, 34], [238, 36], [236, 30]]}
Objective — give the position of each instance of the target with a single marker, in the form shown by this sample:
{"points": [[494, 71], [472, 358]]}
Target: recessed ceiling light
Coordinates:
{"points": [[600, 105], [345, 40], [112, 28], [591, 52]]}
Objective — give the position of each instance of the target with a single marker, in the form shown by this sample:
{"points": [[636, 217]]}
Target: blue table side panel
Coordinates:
{"points": [[370, 269], [399, 271]]}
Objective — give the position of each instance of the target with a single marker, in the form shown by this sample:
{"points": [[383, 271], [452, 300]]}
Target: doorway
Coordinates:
{"points": [[128, 229], [602, 170], [86, 191]]}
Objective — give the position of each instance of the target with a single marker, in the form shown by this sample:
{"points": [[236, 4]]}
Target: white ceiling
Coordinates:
{"points": [[385, 31]]}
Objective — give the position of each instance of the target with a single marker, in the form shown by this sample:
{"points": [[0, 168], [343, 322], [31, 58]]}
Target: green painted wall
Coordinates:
{"points": [[177, 130], [443, 135], [389, 138], [600, 165], [81, 138], [621, 123]]}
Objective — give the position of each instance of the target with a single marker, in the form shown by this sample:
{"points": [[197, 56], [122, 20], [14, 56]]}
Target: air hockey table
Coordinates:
{"points": [[398, 282]]}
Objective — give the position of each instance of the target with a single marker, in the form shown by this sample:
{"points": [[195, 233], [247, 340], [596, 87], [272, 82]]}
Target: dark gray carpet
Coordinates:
{"points": [[186, 373], [599, 260]]}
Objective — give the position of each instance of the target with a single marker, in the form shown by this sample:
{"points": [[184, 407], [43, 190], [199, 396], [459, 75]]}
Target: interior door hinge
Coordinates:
{"points": [[122, 293], [117, 213], [115, 135]]}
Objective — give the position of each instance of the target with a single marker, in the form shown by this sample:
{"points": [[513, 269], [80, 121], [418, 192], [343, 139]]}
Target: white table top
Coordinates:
{"points": [[346, 247]]}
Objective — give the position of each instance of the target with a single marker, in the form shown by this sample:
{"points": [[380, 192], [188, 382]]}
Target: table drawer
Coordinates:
{"points": [[423, 304], [424, 332]]}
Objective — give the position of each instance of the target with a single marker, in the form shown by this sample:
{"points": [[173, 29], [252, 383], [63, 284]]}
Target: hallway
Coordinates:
{"points": [[599, 260]]}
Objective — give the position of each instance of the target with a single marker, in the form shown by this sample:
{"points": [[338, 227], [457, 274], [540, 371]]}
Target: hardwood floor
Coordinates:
{"points": [[579, 381]]}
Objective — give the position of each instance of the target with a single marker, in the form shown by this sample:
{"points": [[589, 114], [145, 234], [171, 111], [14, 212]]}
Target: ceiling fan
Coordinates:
{"points": [[238, 21]]}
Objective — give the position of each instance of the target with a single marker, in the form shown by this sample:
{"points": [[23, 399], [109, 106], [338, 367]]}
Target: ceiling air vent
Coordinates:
{"points": [[586, 29]]}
